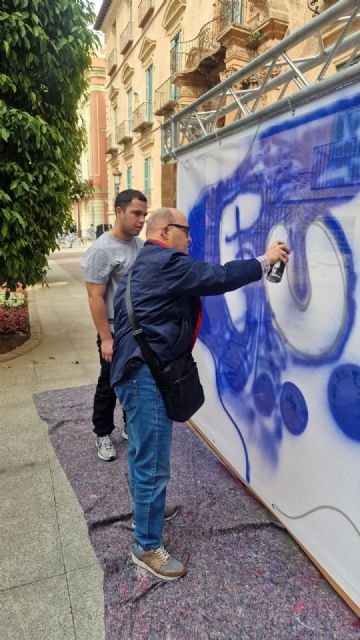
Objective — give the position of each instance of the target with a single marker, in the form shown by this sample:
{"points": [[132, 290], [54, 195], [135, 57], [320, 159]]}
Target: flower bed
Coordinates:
{"points": [[14, 314]]}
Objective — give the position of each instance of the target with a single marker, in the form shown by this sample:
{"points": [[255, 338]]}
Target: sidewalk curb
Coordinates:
{"points": [[35, 328]]}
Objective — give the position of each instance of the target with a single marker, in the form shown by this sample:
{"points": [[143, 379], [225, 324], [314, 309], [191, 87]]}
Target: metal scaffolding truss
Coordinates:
{"points": [[274, 82]]}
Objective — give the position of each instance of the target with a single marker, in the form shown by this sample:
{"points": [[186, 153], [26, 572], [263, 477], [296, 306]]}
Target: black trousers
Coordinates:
{"points": [[104, 400]]}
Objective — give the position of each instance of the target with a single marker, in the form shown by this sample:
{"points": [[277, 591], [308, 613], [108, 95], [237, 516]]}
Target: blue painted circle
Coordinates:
{"points": [[293, 408], [264, 394], [344, 399]]}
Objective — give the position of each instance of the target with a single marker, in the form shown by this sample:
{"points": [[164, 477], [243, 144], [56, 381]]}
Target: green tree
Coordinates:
{"points": [[45, 52]]}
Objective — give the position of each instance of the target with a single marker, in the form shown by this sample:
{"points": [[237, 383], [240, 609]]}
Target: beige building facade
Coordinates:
{"points": [[90, 212], [163, 54]]}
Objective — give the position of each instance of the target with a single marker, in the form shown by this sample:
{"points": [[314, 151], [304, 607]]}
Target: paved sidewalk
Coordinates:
{"points": [[50, 580]]}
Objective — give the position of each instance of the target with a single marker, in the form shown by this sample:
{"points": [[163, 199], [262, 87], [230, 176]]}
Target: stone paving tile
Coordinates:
{"points": [[24, 441], [75, 542], [87, 602], [30, 543], [37, 611]]}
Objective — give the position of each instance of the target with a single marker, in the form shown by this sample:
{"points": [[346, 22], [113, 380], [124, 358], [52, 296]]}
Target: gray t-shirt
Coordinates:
{"points": [[106, 261]]}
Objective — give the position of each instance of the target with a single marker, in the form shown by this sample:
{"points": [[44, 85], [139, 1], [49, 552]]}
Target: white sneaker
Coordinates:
{"points": [[106, 450], [125, 433]]}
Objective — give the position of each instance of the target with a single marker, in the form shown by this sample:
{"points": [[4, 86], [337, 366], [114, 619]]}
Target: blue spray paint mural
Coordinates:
{"points": [[298, 172]]}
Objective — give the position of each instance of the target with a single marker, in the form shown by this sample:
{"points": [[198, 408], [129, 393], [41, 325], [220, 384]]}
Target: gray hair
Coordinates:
{"points": [[158, 217]]}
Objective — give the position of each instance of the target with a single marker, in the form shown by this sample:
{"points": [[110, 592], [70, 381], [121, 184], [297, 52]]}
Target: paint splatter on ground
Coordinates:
{"points": [[246, 580]]}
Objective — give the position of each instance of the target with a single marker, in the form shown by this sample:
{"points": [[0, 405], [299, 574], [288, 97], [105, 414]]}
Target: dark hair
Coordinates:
{"points": [[124, 198]]}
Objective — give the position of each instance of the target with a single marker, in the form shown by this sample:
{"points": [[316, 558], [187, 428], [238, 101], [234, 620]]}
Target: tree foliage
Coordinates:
{"points": [[45, 52]]}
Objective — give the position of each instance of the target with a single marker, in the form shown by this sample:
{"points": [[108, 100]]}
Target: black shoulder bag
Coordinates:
{"points": [[178, 382]]}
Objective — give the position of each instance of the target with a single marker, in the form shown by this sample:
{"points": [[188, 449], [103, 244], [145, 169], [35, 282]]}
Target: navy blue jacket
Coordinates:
{"points": [[165, 289]]}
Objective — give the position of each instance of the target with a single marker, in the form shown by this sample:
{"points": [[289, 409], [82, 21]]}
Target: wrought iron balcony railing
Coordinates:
{"points": [[143, 116], [127, 37], [125, 133], [187, 56], [166, 98], [145, 9], [111, 62], [111, 143]]}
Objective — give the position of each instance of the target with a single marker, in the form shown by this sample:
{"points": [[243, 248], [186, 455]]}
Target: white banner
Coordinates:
{"points": [[280, 363]]}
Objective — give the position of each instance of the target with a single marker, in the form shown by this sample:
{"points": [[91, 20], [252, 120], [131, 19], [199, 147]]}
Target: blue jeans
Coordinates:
{"points": [[149, 448]]}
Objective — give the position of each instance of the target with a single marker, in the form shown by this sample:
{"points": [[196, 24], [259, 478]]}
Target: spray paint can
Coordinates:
{"points": [[276, 272]]}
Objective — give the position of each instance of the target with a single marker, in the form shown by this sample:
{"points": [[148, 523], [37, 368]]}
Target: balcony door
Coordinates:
{"points": [[129, 111], [129, 177], [232, 11], [175, 52], [115, 125], [149, 93], [147, 179]]}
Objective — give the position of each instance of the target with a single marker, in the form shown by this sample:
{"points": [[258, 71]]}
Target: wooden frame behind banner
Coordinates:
{"points": [[235, 473]]}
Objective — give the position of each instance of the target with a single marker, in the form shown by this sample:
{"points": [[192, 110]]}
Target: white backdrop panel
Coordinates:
{"points": [[280, 363]]}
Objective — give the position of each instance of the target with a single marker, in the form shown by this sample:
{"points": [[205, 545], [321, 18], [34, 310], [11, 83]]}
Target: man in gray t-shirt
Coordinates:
{"points": [[104, 264]]}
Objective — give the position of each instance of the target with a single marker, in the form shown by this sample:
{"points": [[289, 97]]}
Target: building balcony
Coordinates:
{"points": [[145, 9], [111, 143], [125, 133], [126, 38], [166, 98], [200, 51], [205, 50], [111, 62], [143, 117]]}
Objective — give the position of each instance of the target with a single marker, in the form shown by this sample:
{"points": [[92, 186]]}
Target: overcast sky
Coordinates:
{"points": [[97, 5]]}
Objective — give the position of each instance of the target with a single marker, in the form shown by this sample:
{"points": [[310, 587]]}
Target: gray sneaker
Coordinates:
{"points": [[171, 510], [124, 434], [106, 450], [159, 562]]}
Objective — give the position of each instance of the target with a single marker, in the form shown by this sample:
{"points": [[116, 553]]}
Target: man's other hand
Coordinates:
{"points": [[107, 349]]}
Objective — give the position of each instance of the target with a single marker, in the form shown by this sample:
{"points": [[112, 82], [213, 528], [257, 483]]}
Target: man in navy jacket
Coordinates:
{"points": [[166, 286]]}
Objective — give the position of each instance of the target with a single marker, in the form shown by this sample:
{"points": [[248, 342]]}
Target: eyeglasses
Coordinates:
{"points": [[184, 228]]}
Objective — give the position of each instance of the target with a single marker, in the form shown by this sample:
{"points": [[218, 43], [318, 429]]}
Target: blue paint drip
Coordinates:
{"points": [[247, 461]]}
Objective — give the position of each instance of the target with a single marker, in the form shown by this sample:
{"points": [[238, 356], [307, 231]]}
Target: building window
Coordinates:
{"points": [[115, 125], [147, 179], [233, 12], [129, 111], [176, 52], [129, 177], [113, 35], [149, 93], [116, 185]]}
